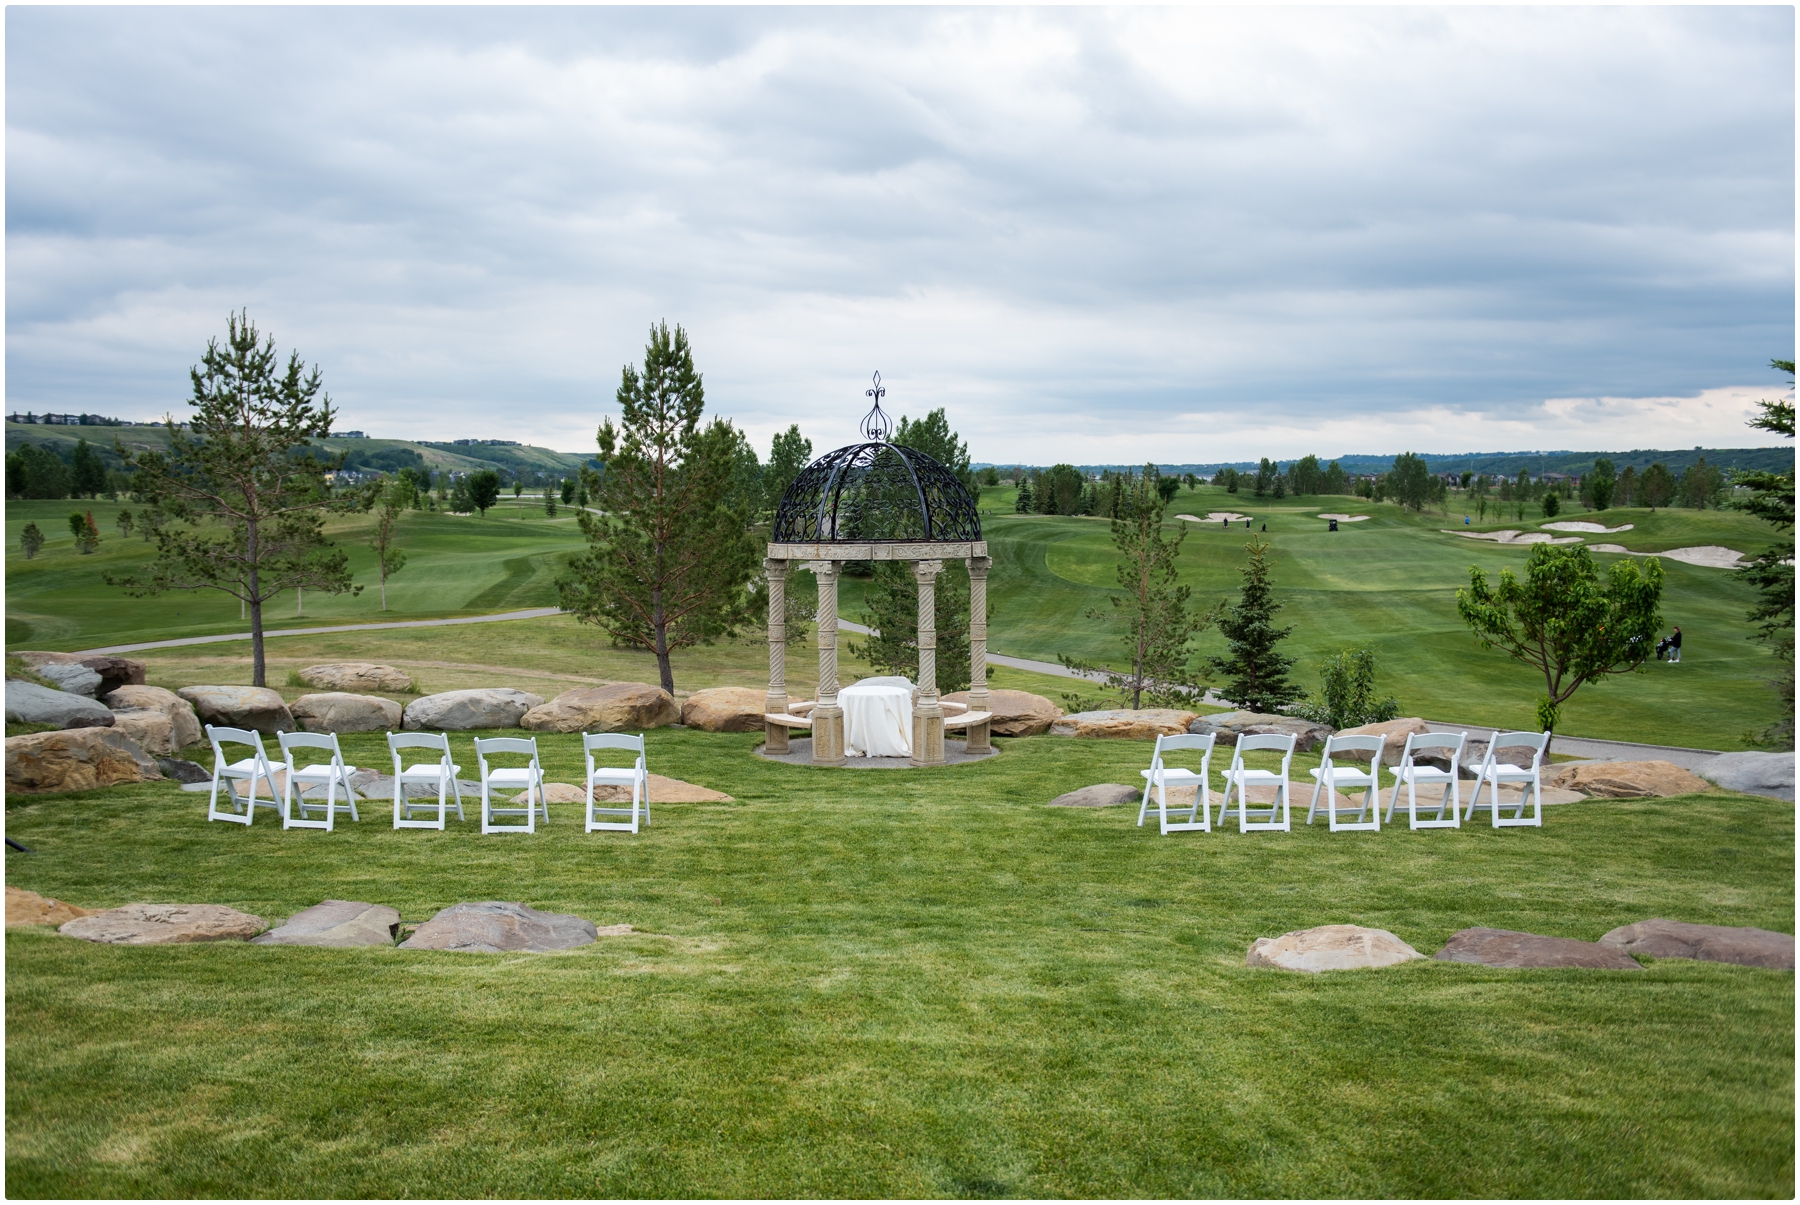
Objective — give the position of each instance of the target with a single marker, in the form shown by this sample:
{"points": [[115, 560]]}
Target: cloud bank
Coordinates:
{"points": [[1089, 234]]}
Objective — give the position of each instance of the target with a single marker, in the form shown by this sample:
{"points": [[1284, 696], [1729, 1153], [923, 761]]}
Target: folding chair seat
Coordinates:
{"points": [[332, 775], [251, 770], [506, 778], [1160, 777], [1240, 779], [1331, 778], [1410, 772], [1494, 772], [442, 773], [636, 776]]}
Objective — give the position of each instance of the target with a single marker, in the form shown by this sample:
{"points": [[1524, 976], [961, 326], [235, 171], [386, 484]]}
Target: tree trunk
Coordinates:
{"points": [[258, 675], [659, 625]]}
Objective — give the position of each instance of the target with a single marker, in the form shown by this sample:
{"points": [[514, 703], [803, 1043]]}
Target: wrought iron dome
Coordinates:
{"points": [[876, 493]]}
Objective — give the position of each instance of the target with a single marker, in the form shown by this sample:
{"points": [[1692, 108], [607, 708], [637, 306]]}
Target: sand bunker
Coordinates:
{"points": [[1345, 518], [1578, 525], [1216, 516], [1513, 537], [1708, 556]]}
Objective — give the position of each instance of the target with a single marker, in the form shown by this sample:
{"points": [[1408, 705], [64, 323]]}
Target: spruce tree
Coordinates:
{"points": [[87, 475], [31, 540], [1257, 673]]}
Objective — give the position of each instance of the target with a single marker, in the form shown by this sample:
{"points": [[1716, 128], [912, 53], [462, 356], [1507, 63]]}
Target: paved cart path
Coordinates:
{"points": [[534, 613]]}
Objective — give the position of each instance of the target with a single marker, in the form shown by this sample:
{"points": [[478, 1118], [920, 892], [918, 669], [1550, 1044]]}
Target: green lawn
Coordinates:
{"points": [[916, 983]]}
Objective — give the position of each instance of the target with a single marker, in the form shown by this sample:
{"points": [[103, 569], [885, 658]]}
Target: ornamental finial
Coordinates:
{"points": [[875, 424]]}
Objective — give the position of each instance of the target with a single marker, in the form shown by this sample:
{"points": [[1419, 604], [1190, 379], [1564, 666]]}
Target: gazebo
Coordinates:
{"points": [[876, 501]]}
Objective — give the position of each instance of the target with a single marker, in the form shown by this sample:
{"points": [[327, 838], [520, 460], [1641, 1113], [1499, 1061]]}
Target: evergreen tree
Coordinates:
{"points": [[1257, 673], [125, 522], [246, 489], [36, 473], [932, 435], [87, 475], [789, 454], [1656, 487], [549, 502], [1022, 504], [1771, 572], [1157, 622], [1600, 486], [31, 540], [1625, 492], [668, 561]]}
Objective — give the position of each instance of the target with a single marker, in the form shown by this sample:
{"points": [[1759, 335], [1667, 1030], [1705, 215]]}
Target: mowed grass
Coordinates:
{"points": [[917, 983], [1390, 584]]}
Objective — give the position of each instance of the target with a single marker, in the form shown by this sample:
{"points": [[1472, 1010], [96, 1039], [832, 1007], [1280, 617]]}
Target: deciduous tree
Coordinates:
{"points": [[87, 474], [238, 505], [390, 500], [1563, 622], [668, 561], [1657, 486], [484, 490]]}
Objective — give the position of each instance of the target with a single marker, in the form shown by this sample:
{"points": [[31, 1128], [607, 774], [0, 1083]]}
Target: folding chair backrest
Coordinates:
{"points": [[419, 740], [1371, 745], [612, 740], [505, 744], [1537, 742], [309, 740], [1201, 744], [1281, 741], [1437, 740], [234, 736]]}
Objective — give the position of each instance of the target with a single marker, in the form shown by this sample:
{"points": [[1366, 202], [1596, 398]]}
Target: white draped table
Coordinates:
{"points": [[877, 717]]}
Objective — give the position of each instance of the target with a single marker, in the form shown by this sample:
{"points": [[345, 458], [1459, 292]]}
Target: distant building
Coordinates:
{"points": [[350, 435]]}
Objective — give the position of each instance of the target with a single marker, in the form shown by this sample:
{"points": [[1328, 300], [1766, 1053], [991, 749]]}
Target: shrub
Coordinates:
{"points": [[1346, 697]]}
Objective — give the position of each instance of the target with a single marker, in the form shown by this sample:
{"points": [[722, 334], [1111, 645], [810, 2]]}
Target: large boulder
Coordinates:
{"points": [[500, 928], [1475, 756], [77, 679], [1506, 948], [1015, 712], [255, 707], [336, 711], [725, 709], [114, 672], [30, 908], [1125, 724], [29, 703], [662, 790], [77, 759], [336, 924], [462, 710], [164, 924], [160, 720], [1330, 948], [1745, 947], [1396, 732], [1106, 795], [357, 676], [621, 707], [1226, 727], [1626, 780], [1770, 774]]}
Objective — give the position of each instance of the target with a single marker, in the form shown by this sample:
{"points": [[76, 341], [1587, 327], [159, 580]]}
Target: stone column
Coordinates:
{"points": [[827, 717], [777, 703], [978, 689], [928, 717]]}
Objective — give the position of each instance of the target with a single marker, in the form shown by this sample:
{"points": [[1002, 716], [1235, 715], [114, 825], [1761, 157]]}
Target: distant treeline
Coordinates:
{"points": [[1500, 464]]}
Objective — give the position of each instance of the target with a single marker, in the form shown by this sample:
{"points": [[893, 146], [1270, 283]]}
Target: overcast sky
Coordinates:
{"points": [[1091, 235]]}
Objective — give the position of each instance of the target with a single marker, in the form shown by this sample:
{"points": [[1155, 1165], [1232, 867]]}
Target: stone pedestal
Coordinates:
{"points": [[828, 735], [827, 717], [777, 701], [978, 734], [928, 715]]}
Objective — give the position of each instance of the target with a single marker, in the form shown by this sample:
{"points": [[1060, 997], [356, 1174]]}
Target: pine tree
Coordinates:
{"points": [[1257, 673], [668, 561], [1771, 572], [789, 453], [87, 475], [31, 540]]}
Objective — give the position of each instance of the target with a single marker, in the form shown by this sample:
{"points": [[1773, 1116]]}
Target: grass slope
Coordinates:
{"points": [[899, 984]]}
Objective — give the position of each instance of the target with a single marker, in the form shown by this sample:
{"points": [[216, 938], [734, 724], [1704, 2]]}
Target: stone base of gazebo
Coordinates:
{"points": [[799, 753]]}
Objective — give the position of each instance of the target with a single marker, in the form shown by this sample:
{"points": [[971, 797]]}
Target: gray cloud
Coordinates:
{"points": [[1171, 233]]}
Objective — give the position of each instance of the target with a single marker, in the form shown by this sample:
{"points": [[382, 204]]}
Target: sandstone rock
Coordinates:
{"points": [[463, 710], [1769, 774], [255, 707], [621, 707], [1107, 794], [1396, 732], [1226, 727], [357, 676], [150, 729], [1144, 725], [183, 771], [1015, 712], [558, 792], [114, 671], [29, 703], [1330, 948], [336, 711], [77, 759], [164, 924], [1475, 754], [77, 679], [1626, 779], [1745, 947], [149, 701], [664, 790], [725, 709], [30, 908], [1505, 948], [497, 928], [336, 924]]}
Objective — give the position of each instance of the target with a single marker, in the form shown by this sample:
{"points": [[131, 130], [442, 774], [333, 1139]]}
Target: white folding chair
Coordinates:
{"points": [[331, 775], [1493, 772], [1241, 780], [1333, 777], [1159, 777], [505, 778], [1410, 772], [636, 776], [441, 773], [251, 770]]}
